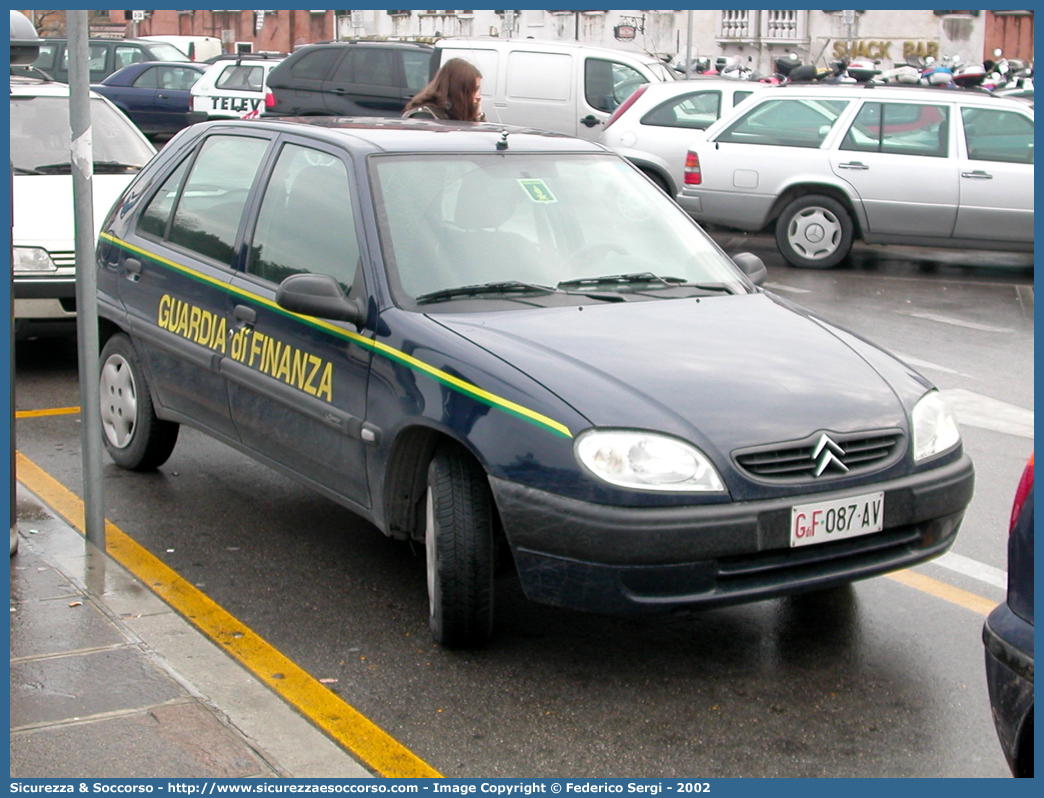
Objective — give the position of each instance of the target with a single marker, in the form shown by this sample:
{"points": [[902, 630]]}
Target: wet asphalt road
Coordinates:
{"points": [[878, 679]]}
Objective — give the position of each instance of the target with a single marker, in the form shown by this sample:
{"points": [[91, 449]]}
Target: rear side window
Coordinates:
{"points": [[368, 66], [210, 205], [45, 60], [306, 222], [314, 65], [125, 56], [416, 65], [900, 129], [696, 111], [795, 122], [998, 135]]}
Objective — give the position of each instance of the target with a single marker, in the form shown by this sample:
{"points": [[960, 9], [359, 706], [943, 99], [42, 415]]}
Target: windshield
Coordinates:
{"points": [[568, 222], [40, 135], [161, 51]]}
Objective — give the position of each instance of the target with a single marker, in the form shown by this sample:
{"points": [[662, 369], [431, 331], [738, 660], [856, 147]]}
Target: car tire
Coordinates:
{"points": [[134, 436], [458, 543], [814, 232]]}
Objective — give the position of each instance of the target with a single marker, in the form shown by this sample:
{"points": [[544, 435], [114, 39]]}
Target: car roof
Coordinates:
{"points": [[36, 87], [370, 42], [391, 135], [893, 91], [457, 41]]}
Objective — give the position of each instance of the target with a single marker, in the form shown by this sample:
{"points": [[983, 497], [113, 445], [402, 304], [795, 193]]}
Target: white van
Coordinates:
{"points": [[198, 48], [566, 87]]}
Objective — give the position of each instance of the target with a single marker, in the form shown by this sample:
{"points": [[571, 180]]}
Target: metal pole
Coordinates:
{"points": [[86, 280], [688, 46]]}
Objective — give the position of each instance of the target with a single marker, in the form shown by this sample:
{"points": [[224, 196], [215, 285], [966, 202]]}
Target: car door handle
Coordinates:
{"points": [[978, 174], [853, 165], [244, 314], [591, 120], [163, 96], [338, 91], [132, 269]]}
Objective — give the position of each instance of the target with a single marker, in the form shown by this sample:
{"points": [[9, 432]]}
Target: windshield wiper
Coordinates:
{"points": [[24, 170], [610, 280], [502, 287], [65, 167]]}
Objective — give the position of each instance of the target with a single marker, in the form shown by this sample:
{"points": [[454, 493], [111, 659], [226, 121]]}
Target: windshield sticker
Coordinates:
{"points": [[537, 190]]}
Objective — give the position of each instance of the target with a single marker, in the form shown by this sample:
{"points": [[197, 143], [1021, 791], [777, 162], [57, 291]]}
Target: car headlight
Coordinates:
{"points": [[935, 427], [646, 461], [32, 259]]}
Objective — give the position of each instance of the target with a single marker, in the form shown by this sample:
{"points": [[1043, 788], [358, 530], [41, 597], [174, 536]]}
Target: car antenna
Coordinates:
{"points": [[502, 144]]}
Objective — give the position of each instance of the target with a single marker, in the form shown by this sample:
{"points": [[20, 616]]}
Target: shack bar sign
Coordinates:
{"points": [[625, 33], [878, 50]]}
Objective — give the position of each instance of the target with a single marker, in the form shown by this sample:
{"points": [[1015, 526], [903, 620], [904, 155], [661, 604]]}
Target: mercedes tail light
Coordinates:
{"points": [[693, 175]]}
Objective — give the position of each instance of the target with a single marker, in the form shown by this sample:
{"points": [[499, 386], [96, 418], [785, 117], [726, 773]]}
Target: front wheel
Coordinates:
{"points": [[458, 543], [134, 436], [814, 232]]}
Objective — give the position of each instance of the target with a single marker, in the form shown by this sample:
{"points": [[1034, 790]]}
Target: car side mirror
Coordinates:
{"points": [[752, 266], [318, 295]]}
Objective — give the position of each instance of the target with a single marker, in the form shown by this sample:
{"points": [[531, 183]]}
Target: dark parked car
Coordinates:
{"points": [[104, 56], [156, 95], [1008, 636], [511, 347], [348, 78]]}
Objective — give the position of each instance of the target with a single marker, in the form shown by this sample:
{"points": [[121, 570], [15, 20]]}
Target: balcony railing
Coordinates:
{"points": [[779, 26]]}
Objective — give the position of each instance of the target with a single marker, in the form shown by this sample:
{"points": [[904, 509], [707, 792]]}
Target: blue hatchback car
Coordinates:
{"points": [[512, 347], [1008, 637]]}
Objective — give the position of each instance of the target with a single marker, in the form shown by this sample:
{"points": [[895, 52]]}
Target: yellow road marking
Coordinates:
{"points": [[954, 595], [53, 411], [343, 723]]}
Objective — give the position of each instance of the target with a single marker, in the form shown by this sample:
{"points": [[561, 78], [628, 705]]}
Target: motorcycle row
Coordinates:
{"points": [[996, 74]]}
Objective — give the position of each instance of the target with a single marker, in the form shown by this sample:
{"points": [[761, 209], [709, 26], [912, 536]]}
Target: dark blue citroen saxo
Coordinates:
{"points": [[510, 344]]}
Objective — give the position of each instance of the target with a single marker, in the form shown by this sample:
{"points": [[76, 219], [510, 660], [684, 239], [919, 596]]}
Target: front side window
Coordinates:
{"points": [[993, 135], [696, 111], [541, 219], [900, 129], [796, 122], [210, 208], [306, 222], [608, 83], [96, 54]]}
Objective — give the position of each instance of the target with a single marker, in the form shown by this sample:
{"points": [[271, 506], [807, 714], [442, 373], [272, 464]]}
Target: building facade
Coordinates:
{"points": [[755, 37]]}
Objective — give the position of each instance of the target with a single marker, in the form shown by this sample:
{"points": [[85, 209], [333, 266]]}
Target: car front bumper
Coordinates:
{"points": [[1008, 640], [624, 560], [50, 298]]}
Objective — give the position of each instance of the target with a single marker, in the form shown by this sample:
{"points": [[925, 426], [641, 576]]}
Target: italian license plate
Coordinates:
{"points": [[836, 520]]}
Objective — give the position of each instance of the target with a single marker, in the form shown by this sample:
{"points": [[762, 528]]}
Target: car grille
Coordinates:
{"points": [[63, 258], [812, 459]]}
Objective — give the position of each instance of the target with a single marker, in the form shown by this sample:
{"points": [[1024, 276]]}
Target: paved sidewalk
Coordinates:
{"points": [[108, 681]]}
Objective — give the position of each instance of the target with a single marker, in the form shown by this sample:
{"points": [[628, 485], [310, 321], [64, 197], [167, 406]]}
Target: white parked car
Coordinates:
{"points": [[653, 128], [233, 87], [44, 260], [825, 165]]}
